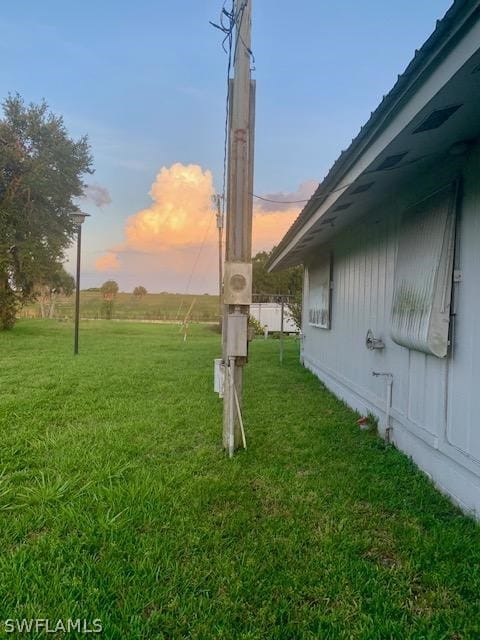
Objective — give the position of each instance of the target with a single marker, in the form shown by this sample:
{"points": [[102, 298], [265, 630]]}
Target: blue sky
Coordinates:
{"points": [[146, 81]]}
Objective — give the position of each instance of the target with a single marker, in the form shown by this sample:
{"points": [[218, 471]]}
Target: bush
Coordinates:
{"points": [[255, 326]]}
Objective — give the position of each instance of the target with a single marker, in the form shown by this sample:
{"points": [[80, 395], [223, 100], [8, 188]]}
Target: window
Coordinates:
{"points": [[423, 274], [319, 293]]}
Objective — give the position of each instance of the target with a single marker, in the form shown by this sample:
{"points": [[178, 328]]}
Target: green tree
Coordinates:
{"points": [[285, 282], [139, 292], [109, 290], [57, 282], [41, 170]]}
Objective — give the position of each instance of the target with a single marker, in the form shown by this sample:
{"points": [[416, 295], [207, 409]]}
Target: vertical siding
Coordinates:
{"points": [[363, 276], [435, 403], [463, 411]]}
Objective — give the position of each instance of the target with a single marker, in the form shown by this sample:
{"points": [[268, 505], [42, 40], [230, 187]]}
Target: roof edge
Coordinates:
{"points": [[446, 30]]}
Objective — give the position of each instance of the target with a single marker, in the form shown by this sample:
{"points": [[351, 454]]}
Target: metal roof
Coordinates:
{"points": [[448, 29]]}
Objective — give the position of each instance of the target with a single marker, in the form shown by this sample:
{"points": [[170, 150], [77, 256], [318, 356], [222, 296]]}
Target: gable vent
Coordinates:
{"points": [[391, 161], [328, 220], [437, 118], [362, 188]]}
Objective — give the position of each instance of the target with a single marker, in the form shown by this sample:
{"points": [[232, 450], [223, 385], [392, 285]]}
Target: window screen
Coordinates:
{"points": [[423, 274], [319, 293]]}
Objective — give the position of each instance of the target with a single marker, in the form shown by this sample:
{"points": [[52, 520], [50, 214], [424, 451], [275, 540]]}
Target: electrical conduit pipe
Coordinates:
{"points": [[388, 403]]}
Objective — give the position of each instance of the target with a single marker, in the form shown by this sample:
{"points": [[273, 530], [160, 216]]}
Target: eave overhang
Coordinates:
{"points": [[402, 135]]}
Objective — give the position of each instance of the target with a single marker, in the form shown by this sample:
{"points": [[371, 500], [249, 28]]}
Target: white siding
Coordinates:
{"points": [[435, 402], [463, 415]]}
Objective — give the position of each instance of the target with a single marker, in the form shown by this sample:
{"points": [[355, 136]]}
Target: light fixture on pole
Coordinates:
{"points": [[78, 218]]}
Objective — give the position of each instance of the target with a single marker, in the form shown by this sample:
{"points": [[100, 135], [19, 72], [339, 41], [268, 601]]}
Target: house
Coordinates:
{"points": [[390, 242]]}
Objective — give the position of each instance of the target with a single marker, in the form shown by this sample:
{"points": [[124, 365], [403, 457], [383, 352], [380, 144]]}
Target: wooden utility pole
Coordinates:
{"points": [[218, 201], [237, 291]]}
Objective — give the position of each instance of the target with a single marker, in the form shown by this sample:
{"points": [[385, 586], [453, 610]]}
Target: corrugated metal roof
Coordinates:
{"points": [[428, 53]]}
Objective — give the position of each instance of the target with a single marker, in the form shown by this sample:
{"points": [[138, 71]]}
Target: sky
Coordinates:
{"points": [[146, 81]]}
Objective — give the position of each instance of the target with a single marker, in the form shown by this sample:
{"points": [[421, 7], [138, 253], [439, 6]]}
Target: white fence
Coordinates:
{"points": [[270, 314]]}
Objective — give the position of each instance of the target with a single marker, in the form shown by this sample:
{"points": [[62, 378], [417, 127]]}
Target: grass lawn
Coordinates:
{"points": [[117, 502]]}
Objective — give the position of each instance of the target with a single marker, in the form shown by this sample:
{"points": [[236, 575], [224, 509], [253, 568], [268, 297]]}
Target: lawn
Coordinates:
{"points": [[117, 502]]}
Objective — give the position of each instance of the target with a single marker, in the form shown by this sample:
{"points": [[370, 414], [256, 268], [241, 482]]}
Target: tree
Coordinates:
{"points": [[139, 292], [109, 290], [287, 282], [41, 170], [46, 291], [294, 307]]}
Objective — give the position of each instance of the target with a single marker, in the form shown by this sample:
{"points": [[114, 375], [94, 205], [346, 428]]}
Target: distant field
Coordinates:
{"points": [[153, 306]]}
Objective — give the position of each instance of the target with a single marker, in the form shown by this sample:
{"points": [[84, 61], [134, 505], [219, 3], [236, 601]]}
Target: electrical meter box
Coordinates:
{"points": [[237, 283], [237, 334]]}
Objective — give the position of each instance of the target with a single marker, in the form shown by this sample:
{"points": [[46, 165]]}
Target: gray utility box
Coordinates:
{"points": [[237, 283], [237, 334]]}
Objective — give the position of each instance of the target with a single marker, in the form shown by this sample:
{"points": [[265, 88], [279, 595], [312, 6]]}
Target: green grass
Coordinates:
{"points": [[153, 306], [117, 502]]}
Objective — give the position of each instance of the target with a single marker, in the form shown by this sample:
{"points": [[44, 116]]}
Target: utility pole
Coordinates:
{"points": [[237, 292], [218, 201]]}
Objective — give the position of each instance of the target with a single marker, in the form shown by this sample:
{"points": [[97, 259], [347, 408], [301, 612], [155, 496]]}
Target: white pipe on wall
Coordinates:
{"points": [[388, 401]]}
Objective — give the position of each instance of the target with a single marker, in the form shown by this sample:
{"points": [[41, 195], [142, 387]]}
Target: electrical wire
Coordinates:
{"points": [[199, 253], [349, 184], [235, 18], [227, 108]]}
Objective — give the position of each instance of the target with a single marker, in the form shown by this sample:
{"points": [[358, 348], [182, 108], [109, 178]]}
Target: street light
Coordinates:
{"points": [[78, 218]]}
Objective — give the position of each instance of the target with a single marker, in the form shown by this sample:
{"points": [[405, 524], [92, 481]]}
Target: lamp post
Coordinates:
{"points": [[78, 218]]}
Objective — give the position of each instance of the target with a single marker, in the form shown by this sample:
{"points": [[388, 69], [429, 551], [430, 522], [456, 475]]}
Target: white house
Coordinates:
{"points": [[390, 242]]}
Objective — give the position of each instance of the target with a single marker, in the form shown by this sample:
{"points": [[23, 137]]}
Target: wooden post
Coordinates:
{"points": [[238, 242], [281, 330], [220, 257]]}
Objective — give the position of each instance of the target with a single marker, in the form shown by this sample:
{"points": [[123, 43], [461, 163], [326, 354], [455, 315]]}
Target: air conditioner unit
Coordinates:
{"points": [[237, 283]]}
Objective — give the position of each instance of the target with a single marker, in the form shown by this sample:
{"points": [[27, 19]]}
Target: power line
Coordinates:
{"points": [[227, 108], [349, 184], [209, 224], [326, 193], [234, 22]]}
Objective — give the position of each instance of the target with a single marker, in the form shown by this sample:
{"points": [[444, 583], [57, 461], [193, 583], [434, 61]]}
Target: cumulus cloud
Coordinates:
{"points": [[108, 262], [268, 230], [164, 239], [97, 194], [180, 211]]}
